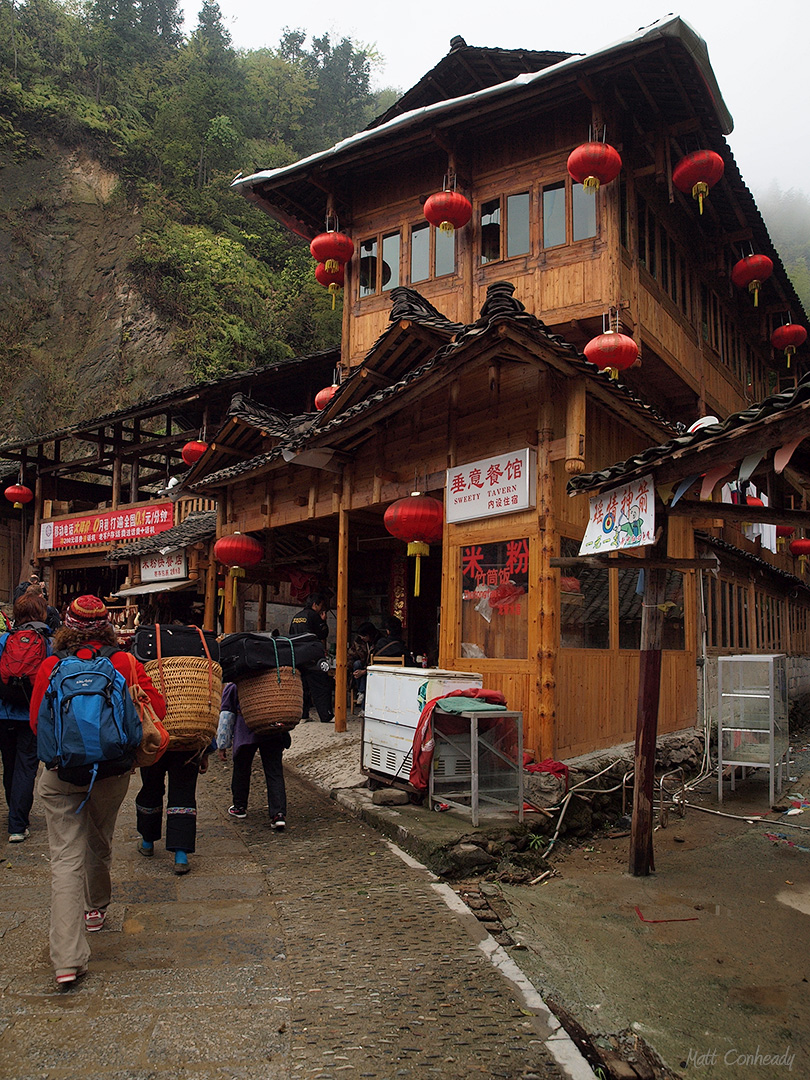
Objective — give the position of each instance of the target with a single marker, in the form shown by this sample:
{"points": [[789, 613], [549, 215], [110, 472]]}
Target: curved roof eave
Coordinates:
{"points": [[674, 26]]}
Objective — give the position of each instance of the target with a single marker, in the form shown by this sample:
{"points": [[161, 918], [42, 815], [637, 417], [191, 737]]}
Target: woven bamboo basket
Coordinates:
{"points": [[272, 701], [192, 687]]}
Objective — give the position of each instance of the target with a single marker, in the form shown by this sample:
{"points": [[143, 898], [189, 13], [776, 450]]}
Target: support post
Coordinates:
{"points": [[540, 735], [342, 613]]}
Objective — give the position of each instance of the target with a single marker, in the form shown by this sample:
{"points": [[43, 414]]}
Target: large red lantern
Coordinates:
{"points": [[697, 173], [332, 280], [238, 551], [334, 249], [750, 272], [612, 352], [448, 210], [788, 337], [323, 397], [19, 494], [783, 534], [193, 451], [418, 520], [594, 163], [800, 549]]}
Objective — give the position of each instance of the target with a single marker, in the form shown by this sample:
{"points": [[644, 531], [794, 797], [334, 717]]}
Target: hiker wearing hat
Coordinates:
{"points": [[81, 817]]}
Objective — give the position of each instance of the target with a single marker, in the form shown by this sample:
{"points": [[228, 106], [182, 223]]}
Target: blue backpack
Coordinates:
{"points": [[87, 724]]}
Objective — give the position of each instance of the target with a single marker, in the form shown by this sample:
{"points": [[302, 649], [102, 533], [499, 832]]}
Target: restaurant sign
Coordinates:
{"points": [[163, 567], [496, 485], [100, 529], [621, 518]]}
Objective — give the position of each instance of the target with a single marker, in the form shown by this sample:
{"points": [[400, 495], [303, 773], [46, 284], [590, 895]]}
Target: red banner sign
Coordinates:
{"points": [[95, 530]]}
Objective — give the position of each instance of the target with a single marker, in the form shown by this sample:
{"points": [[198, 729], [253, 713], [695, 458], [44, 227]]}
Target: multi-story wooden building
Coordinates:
{"points": [[461, 356]]}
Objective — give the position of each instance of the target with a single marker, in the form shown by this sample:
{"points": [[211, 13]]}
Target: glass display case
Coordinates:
{"points": [[752, 719]]}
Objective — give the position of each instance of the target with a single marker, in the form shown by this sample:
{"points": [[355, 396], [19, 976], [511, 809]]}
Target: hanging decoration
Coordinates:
{"points": [[333, 249], [783, 534], [612, 351], [448, 209], [418, 520], [750, 272], [18, 494], [333, 280], [594, 163], [698, 172], [193, 451], [238, 551], [323, 397], [800, 549], [788, 337]]}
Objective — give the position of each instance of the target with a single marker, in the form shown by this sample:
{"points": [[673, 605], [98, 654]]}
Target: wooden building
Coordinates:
{"points": [[463, 376]]}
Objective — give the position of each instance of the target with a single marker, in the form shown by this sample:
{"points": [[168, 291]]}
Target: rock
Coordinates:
{"points": [[390, 797], [461, 860]]}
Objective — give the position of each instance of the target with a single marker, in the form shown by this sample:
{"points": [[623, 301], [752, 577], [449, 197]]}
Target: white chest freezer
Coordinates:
{"points": [[395, 697]]}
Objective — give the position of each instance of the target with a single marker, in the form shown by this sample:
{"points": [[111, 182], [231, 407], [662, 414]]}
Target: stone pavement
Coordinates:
{"points": [[317, 953]]}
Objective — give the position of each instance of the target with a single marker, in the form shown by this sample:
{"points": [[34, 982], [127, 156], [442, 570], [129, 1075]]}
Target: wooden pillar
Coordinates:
{"points": [[342, 613], [115, 498], [262, 620], [575, 419], [642, 861], [210, 612], [229, 615], [134, 467], [539, 729]]}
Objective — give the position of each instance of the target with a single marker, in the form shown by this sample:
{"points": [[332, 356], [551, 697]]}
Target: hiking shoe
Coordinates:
{"points": [[181, 862], [70, 976], [359, 699], [94, 920], [18, 837], [237, 812], [278, 823], [147, 848]]}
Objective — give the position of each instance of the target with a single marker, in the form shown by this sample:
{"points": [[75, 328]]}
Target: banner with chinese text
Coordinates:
{"points": [[621, 518], [104, 528], [496, 485]]}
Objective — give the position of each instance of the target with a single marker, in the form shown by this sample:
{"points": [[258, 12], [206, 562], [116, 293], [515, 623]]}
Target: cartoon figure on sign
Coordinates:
{"points": [[631, 528]]}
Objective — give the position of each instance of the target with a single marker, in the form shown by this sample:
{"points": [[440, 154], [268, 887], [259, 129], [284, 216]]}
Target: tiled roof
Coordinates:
{"points": [[199, 525], [756, 560]]}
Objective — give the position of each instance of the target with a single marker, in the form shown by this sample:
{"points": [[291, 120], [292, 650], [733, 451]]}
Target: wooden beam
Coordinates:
{"points": [[760, 515], [627, 562], [342, 610]]}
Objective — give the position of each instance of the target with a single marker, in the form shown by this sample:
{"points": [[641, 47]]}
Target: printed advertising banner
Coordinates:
{"points": [[99, 529], [621, 518]]}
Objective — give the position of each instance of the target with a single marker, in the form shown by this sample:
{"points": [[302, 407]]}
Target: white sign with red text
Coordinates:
{"points": [[163, 567], [496, 485], [621, 518]]}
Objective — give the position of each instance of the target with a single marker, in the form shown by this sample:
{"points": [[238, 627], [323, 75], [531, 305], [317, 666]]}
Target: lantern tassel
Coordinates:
{"points": [[236, 572], [418, 548], [754, 288], [699, 192]]}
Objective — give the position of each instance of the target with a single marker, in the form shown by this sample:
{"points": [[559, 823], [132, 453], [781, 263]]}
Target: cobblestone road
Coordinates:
{"points": [[317, 953]]}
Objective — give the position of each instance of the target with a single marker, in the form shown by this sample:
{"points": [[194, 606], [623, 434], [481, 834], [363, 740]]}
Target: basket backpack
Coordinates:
{"points": [[25, 649], [87, 725]]}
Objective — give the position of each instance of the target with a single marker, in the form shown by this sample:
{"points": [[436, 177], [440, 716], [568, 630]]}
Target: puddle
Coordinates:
{"points": [[765, 997], [798, 900]]}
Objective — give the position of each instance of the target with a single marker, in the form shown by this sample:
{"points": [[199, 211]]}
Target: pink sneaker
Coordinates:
{"points": [[94, 920]]}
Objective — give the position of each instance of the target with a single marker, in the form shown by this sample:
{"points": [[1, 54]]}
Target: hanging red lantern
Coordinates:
{"points": [[193, 451], [19, 494], [238, 551], [788, 337], [698, 172], [783, 534], [752, 500], [418, 520], [594, 163], [800, 549], [750, 272], [612, 352], [448, 210], [330, 279], [333, 249], [323, 397]]}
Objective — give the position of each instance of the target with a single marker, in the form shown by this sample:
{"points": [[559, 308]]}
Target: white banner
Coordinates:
{"points": [[621, 518], [163, 567], [497, 485]]}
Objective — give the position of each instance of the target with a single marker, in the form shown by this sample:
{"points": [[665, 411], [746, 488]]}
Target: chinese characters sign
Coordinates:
{"points": [[163, 567], [100, 529], [621, 518], [498, 485], [494, 612]]}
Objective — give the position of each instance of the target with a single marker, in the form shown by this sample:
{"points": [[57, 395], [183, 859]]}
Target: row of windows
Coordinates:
{"points": [[729, 625], [510, 226]]}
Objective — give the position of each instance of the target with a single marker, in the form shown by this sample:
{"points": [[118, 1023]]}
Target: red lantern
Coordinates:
{"points": [[448, 210], [612, 352], [193, 451], [19, 494], [238, 551], [697, 173], [752, 500], [800, 549], [751, 272], [788, 337], [783, 534], [594, 163], [323, 397], [417, 520], [334, 249], [330, 279]]}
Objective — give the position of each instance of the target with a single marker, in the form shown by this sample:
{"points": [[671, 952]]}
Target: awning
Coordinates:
{"points": [[153, 587]]}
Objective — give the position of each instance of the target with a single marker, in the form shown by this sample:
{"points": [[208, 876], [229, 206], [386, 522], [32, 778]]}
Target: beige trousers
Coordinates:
{"points": [[81, 855]]}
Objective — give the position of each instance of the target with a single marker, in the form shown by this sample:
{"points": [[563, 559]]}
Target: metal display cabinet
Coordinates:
{"points": [[752, 718], [478, 759]]}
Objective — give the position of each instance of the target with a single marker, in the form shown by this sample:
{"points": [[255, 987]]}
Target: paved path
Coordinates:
{"points": [[317, 953]]}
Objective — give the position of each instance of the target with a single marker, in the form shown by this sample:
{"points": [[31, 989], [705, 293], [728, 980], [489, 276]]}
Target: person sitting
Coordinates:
{"points": [[391, 643], [359, 656]]}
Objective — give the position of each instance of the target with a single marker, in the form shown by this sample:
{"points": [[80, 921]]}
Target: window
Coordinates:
{"points": [[583, 212], [494, 600], [518, 239], [433, 252], [584, 603], [553, 215], [491, 231], [379, 274]]}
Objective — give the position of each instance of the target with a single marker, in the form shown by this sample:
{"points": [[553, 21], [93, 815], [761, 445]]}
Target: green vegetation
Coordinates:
{"points": [[176, 119], [787, 215]]}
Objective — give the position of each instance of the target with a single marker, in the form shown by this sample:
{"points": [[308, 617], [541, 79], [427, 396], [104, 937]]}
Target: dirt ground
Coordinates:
{"points": [[708, 959]]}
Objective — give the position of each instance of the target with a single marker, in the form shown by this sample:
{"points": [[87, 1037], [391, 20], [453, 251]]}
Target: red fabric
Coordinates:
{"points": [[556, 768], [423, 742], [121, 661]]}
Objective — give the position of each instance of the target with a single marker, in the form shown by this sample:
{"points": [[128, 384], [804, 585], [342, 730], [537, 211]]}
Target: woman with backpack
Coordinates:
{"points": [[81, 816], [22, 652]]}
